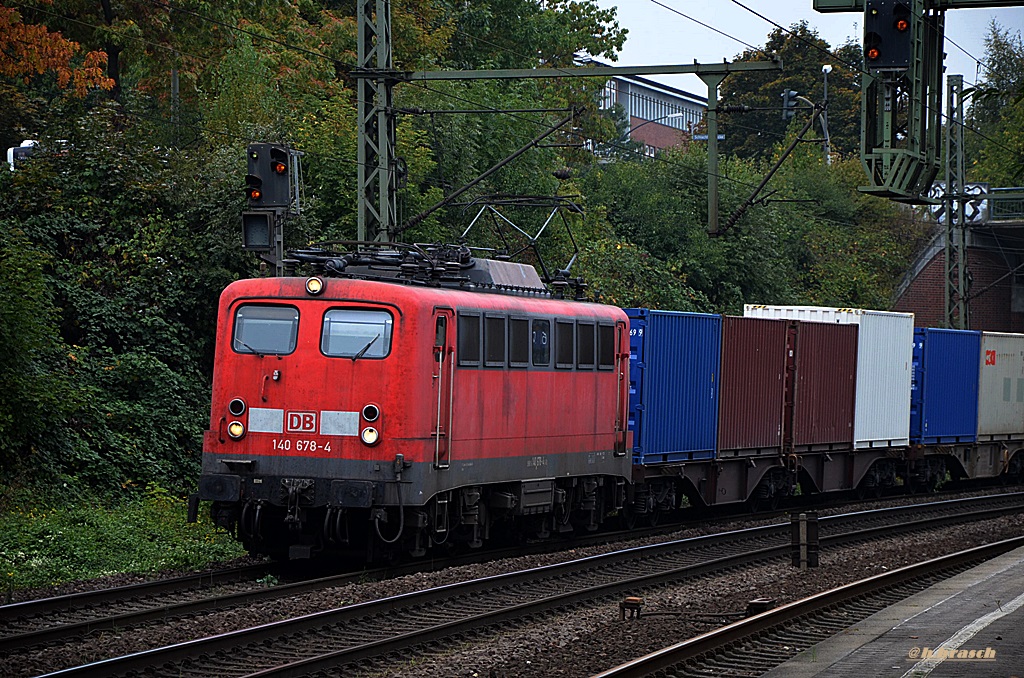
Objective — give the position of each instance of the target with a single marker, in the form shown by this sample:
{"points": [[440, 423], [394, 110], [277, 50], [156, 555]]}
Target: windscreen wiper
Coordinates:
{"points": [[364, 349], [245, 345]]}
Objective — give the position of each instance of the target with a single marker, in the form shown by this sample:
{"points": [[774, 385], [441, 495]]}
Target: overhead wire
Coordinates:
{"points": [[439, 92], [259, 36], [856, 68]]}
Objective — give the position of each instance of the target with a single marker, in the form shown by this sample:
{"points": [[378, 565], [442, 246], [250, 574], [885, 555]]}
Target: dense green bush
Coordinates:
{"points": [[86, 538]]}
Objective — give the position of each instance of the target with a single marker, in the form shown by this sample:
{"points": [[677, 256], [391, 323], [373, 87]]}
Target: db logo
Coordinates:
{"points": [[301, 422], [990, 357]]}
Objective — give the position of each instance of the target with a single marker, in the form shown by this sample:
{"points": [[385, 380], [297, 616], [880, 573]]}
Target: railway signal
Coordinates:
{"points": [[268, 183], [887, 35], [789, 101], [258, 230]]}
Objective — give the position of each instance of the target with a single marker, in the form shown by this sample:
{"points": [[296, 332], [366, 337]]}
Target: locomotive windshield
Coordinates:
{"points": [[265, 329], [356, 333]]}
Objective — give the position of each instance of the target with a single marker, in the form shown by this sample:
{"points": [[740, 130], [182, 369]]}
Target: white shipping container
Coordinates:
{"points": [[1001, 387], [885, 351]]}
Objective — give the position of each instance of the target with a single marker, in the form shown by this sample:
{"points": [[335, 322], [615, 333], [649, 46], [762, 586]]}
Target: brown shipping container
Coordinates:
{"points": [[751, 400], [826, 384]]}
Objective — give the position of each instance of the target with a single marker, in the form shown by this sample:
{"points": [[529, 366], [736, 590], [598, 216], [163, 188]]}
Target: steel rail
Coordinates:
{"points": [[733, 633], [136, 593], [231, 642], [71, 601]]}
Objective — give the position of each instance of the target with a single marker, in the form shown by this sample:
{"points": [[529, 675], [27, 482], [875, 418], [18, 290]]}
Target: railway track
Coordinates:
{"points": [[757, 644], [59, 619], [390, 627], [38, 621]]}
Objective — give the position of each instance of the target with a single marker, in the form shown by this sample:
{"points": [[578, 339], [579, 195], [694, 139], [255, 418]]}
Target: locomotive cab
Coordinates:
{"points": [[360, 416], [299, 411]]}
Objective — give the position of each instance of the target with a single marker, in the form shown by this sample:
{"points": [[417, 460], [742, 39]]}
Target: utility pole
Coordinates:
{"points": [[825, 70], [375, 77], [713, 80], [954, 199]]}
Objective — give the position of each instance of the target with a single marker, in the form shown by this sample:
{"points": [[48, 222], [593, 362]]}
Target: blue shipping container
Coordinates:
{"points": [[673, 384], [944, 386]]}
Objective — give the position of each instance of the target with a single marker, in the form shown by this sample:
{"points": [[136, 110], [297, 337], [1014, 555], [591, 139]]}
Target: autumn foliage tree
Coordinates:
{"points": [[28, 50], [30, 53]]}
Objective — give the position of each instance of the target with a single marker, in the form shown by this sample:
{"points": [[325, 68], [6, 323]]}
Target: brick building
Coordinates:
{"points": [[660, 116], [995, 274]]}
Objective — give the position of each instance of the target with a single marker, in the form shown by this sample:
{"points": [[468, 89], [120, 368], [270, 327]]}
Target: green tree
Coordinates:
{"points": [[995, 141], [803, 53]]}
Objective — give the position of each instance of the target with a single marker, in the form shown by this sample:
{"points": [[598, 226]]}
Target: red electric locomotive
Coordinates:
{"points": [[371, 410]]}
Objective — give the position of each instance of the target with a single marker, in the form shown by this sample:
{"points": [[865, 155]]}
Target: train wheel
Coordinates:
{"points": [[763, 504], [632, 520], [869, 491]]}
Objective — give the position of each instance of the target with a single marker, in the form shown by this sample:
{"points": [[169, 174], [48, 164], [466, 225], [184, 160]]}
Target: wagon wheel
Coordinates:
{"points": [[865, 491], [759, 504], [631, 519]]}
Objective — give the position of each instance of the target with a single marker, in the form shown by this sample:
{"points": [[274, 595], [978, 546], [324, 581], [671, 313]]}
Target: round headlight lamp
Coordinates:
{"points": [[236, 407], [236, 429], [314, 285], [371, 412], [370, 435]]}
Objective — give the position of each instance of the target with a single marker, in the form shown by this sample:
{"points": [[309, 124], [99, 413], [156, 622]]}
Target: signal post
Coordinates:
{"points": [[271, 189]]}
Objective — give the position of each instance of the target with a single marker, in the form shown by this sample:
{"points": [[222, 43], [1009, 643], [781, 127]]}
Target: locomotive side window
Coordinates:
{"points": [[355, 333], [518, 342], [605, 347], [541, 343], [585, 346], [494, 341], [564, 341], [265, 329], [441, 332], [469, 339]]}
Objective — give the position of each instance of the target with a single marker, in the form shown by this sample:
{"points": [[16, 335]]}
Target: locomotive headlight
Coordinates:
{"points": [[314, 286], [370, 435], [236, 407], [236, 429]]}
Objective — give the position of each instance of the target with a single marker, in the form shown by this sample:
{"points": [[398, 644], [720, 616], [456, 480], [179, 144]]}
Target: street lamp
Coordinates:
{"points": [[825, 70]]}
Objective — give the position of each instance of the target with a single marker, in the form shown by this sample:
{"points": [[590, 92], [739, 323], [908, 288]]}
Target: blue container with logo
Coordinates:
{"points": [[944, 386], [675, 359]]}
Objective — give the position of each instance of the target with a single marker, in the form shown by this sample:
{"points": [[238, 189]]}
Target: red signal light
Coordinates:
{"points": [[902, 25], [278, 167], [255, 194], [873, 54]]}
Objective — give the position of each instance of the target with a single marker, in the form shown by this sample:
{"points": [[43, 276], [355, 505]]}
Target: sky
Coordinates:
{"points": [[659, 35]]}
